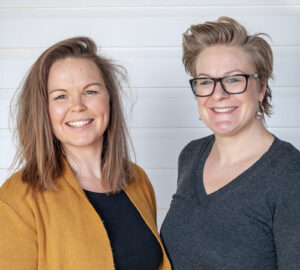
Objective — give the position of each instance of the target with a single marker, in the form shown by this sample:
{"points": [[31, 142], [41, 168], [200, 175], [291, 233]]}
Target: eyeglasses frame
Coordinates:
{"points": [[215, 80]]}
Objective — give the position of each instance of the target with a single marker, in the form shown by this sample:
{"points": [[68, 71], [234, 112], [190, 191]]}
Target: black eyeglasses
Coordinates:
{"points": [[232, 84]]}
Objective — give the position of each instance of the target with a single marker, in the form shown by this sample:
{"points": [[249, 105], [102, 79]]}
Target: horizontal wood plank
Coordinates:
{"points": [[138, 26], [7, 148], [164, 183], [149, 67], [140, 3], [4, 174]]}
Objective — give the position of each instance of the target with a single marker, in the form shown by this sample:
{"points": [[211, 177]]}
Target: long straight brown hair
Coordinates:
{"points": [[39, 151]]}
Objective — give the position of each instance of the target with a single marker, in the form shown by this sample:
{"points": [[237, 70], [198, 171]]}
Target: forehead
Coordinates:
{"points": [[73, 70], [74, 61], [221, 59]]}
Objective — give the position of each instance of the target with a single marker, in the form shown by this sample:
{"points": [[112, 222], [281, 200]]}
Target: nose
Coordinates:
{"points": [[219, 92], [78, 103]]}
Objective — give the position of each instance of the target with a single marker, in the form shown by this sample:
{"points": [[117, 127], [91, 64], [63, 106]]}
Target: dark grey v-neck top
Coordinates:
{"points": [[252, 223]]}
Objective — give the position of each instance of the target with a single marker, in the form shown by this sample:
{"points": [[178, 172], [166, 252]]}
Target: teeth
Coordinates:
{"points": [[223, 109], [79, 123]]}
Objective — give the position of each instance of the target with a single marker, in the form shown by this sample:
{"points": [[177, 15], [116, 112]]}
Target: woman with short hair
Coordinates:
{"points": [[237, 204]]}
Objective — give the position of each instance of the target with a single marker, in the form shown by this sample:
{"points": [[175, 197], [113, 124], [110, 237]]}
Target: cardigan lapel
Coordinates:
{"points": [[138, 197]]}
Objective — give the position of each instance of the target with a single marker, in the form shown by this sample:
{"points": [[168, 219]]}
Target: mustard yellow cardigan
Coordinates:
{"points": [[60, 230]]}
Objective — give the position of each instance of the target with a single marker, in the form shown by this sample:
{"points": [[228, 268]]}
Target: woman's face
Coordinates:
{"points": [[226, 114], [78, 103]]}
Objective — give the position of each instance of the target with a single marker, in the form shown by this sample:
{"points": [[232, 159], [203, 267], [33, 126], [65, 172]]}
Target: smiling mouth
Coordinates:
{"points": [[79, 123], [223, 110]]}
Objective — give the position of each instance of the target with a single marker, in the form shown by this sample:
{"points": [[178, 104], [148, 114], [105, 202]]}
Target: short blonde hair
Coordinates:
{"points": [[226, 31]]}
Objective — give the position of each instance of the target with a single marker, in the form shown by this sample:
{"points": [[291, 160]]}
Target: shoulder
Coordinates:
{"points": [[189, 156], [193, 147], [18, 230], [141, 189], [286, 158], [141, 178], [283, 170], [284, 178], [287, 150], [14, 188], [139, 170], [16, 198]]}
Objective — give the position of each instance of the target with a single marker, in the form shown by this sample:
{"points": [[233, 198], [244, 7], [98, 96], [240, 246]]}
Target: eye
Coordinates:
{"points": [[232, 79], [205, 82], [60, 97], [90, 92]]}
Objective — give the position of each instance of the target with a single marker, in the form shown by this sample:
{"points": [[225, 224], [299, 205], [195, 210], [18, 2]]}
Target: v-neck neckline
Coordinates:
{"points": [[198, 183]]}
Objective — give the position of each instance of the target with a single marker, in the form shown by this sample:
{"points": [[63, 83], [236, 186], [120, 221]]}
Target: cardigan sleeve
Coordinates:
{"points": [[18, 241]]}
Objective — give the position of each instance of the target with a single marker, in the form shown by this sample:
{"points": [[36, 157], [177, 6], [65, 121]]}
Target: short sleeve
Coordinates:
{"points": [[18, 242]]}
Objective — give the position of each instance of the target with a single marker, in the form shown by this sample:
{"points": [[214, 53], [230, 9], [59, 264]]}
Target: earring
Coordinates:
{"points": [[260, 112], [200, 118]]}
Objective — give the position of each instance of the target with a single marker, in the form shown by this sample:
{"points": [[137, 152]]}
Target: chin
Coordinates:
{"points": [[223, 126], [84, 142], [225, 134]]}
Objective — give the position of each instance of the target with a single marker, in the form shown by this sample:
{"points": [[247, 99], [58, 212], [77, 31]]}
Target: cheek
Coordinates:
{"points": [[56, 113], [201, 103], [255, 91], [252, 100], [100, 106]]}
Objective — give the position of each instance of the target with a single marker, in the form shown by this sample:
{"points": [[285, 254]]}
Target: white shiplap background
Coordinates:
{"points": [[145, 37]]}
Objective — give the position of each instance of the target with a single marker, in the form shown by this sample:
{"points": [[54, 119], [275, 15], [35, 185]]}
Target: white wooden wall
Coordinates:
{"points": [[145, 36]]}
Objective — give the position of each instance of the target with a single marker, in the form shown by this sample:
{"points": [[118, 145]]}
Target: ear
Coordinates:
{"points": [[263, 89]]}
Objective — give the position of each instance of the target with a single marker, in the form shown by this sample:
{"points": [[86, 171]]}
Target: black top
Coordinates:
{"points": [[251, 223], [134, 245]]}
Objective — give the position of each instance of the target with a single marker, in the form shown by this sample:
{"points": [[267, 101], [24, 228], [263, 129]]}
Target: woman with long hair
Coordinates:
{"points": [[78, 202]]}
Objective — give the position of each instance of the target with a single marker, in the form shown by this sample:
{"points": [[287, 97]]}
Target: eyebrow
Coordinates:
{"points": [[87, 86], [226, 73], [90, 84], [54, 90]]}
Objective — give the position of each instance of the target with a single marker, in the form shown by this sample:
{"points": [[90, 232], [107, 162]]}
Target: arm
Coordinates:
{"points": [[286, 228], [18, 242]]}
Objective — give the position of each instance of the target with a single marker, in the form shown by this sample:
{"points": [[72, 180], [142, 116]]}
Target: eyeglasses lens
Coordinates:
{"points": [[233, 84]]}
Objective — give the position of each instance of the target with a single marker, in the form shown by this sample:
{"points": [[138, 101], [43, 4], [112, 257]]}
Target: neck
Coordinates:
{"points": [[84, 162], [246, 144]]}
